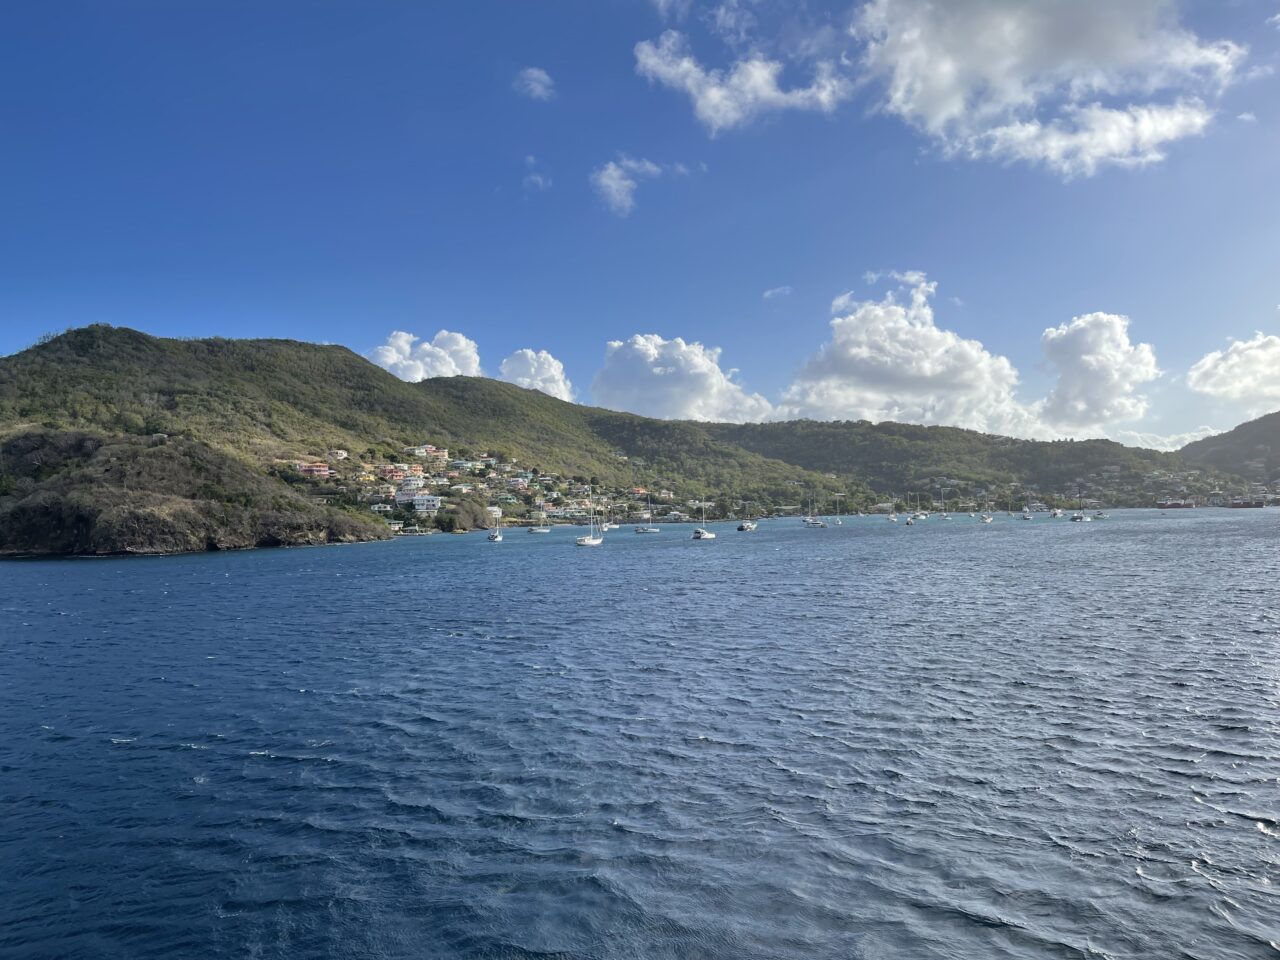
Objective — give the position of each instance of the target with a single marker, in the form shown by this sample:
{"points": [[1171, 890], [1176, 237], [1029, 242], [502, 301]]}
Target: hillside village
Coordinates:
{"points": [[429, 489]]}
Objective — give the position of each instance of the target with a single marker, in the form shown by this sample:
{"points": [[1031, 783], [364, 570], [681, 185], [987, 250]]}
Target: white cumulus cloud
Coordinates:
{"points": [[888, 360], [1099, 371], [617, 180], [722, 100], [673, 379], [1071, 84], [534, 83], [1246, 372], [537, 370], [447, 354]]}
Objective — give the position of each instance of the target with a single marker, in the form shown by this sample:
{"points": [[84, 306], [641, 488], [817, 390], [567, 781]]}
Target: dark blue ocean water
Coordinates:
{"points": [[1028, 739]]}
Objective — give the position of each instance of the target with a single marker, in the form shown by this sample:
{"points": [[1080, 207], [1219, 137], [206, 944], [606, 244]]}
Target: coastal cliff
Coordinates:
{"points": [[72, 492]]}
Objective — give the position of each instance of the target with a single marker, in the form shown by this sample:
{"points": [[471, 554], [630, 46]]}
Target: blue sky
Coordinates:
{"points": [[339, 171]]}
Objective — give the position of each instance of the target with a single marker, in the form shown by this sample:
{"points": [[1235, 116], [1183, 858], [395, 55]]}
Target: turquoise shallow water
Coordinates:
{"points": [[1028, 739]]}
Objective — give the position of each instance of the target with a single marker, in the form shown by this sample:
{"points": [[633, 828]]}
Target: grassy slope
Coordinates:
{"points": [[264, 399]]}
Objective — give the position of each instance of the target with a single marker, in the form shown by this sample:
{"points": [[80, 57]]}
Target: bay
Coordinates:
{"points": [[1023, 739]]}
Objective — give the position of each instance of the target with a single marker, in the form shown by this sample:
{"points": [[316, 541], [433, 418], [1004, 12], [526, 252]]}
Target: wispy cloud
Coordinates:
{"points": [[773, 292], [535, 180], [534, 83], [723, 100], [617, 180]]}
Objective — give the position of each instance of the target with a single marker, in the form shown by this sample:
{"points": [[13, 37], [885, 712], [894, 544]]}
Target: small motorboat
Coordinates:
{"points": [[702, 533]]}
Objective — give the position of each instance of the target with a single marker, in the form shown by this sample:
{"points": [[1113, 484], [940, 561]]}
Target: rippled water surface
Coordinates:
{"points": [[1028, 739]]}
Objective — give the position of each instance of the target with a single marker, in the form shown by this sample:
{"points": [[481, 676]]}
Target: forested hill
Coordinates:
{"points": [[1251, 450], [177, 444], [902, 456], [268, 400]]}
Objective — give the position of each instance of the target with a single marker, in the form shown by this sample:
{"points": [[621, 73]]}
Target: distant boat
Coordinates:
{"points": [[649, 529], [746, 526], [987, 518], [1055, 512], [594, 537], [540, 528], [1080, 516], [496, 536], [702, 533]]}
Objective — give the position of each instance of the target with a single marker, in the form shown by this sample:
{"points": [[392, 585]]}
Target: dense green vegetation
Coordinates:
{"points": [[116, 441], [1251, 450], [69, 491], [277, 399], [902, 456]]}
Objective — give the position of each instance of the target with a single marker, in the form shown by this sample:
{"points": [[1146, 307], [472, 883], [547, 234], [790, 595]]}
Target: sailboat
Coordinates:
{"points": [[920, 513], [839, 522], [1080, 516], [496, 535], [702, 533], [893, 508], [540, 528], [650, 528], [813, 521], [606, 523], [594, 537]]}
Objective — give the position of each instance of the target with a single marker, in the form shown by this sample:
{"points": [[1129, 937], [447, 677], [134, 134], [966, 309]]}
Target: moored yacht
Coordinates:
{"points": [[594, 537], [649, 528], [702, 533]]}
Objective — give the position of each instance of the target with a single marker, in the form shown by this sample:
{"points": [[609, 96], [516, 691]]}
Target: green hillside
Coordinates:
{"points": [[1251, 450], [901, 456], [115, 441], [269, 400], [76, 492]]}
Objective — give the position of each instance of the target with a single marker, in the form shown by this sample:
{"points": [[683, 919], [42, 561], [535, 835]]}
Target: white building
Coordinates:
{"points": [[426, 503]]}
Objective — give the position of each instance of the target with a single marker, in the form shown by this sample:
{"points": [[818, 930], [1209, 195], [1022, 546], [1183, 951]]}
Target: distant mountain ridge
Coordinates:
{"points": [[191, 431], [1251, 450]]}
